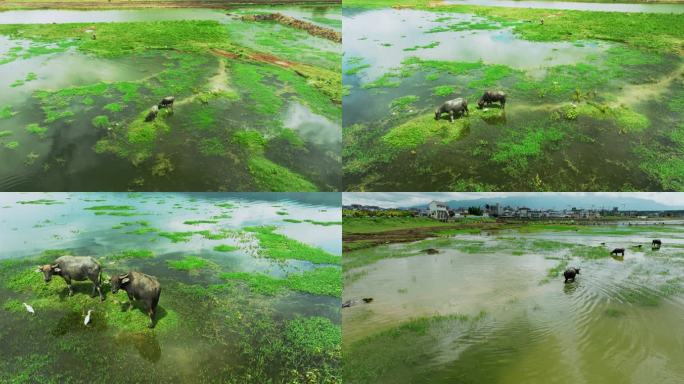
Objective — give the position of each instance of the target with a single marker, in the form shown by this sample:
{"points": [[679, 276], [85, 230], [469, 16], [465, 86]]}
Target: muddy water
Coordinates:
{"points": [[198, 346], [604, 7], [600, 329]]}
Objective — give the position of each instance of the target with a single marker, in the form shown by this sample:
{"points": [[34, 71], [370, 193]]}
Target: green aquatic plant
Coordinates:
{"points": [[269, 176], [197, 222], [276, 246], [132, 254], [12, 145], [100, 121], [419, 130], [36, 129], [326, 281], [434, 44], [110, 208], [401, 104], [190, 263], [442, 90], [6, 112], [226, 248]]}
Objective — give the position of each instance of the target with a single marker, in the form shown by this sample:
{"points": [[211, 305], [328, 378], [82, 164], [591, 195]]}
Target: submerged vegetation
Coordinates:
{"points": [[220, 306], [605, 105], [213, 71]]}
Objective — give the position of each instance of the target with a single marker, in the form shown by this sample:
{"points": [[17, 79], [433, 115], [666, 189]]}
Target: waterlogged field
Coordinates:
{"points": [[257, 103], [251, 288], [595, 99], [492, 306]]}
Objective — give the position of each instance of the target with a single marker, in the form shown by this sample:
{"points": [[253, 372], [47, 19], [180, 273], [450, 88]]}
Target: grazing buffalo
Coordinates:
{"points": [[656, 243], [490, 97], [570, 274], [617, 251], [166, 102], [140, 287], [78, 268], [152, 114], [452, 107]]}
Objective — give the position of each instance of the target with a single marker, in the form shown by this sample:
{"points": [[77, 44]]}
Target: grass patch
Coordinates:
{"points": [[280, 247]]}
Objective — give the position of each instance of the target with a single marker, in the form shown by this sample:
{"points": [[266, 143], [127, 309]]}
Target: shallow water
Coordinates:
{"points": [[39, 161], [374, 51], [579, 6], [45, 16], [535, 330], [406, 29], [61, 221]]}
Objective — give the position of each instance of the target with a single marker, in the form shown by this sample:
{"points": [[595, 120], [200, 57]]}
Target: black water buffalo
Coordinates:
{"points": [[656, 243], [152, 114], [617, 251], [140, 287], [166, 102], [452, 107], [490, 97], [78, 268], [570, 274]]}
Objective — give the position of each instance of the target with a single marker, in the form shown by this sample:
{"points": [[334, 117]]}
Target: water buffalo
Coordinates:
{"points": [[452, 107], [166, 102], [140, 287], [78, 268], [490, 97], [570, 274], [656, 243], [617, 251], [152, 114]]}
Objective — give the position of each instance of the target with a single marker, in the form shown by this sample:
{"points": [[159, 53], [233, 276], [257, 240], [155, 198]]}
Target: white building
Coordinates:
{"points": [[438, 210]]}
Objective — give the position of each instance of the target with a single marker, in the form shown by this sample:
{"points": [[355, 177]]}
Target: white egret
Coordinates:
{"points": [[87, 318], [29, 309]]}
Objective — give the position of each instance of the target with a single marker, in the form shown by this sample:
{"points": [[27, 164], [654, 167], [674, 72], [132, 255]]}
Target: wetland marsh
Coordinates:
{"points": [[251, 287], [594, 102], [492, 307], [258, 103]]}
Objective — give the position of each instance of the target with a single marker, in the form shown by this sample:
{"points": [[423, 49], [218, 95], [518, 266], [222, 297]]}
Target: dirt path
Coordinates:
{"points": [[310, 28], [632, 94]]}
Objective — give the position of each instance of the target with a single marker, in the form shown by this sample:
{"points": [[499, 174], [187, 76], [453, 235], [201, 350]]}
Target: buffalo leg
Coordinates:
{"points": [[68, 283], [130, 301], [451, 116], [151, 313]]}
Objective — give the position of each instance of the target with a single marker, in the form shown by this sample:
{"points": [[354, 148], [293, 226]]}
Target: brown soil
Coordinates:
{"points": [[407, 235], [311, 28], [257, 56]]}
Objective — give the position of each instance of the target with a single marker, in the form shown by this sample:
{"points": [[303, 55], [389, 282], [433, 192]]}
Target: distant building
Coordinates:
{"points": [[438, 210]]}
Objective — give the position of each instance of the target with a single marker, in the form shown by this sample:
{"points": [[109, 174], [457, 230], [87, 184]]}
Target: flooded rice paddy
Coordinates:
{"points": [[251, 288], [258, 104], [583, 114], [493, 307]]}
